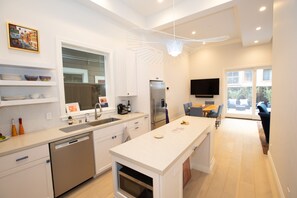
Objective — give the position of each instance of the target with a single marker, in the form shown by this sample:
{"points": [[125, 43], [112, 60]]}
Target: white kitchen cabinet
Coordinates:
{"points": [[105, 139], [26, 174], [126, 73], [156, 66], [23, 88], [138, 127]]}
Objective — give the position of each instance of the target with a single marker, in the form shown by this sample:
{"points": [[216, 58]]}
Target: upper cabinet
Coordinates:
{"points": [[22, 85], [126, 73], [156, 67]]}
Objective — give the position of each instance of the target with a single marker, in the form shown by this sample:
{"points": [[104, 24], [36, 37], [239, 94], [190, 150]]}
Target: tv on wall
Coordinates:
{"points": [[205, 86]]}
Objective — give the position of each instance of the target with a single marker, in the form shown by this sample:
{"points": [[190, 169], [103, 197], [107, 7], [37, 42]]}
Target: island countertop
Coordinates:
{"points": [[158, 149]]}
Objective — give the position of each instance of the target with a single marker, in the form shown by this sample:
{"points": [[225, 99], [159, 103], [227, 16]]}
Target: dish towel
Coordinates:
{"points": [[126, 135]]}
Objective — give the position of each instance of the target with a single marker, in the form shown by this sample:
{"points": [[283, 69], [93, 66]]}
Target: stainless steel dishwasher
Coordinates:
{"points": [[72, 161]]}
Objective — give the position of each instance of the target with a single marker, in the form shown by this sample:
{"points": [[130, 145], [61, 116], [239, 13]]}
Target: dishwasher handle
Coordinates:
{"points": [[71, 142]]}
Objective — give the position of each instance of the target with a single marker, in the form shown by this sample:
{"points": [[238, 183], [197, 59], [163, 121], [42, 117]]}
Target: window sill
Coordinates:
{"points": [[91, 112]]}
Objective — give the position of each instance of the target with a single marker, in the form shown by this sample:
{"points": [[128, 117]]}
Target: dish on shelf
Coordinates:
{"points": [[13, 97], [31, 78], [35, 95], [11, 77], [45, 78], [46, 95]]}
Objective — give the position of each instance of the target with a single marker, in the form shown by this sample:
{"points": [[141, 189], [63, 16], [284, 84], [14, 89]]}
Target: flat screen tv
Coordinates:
{"points": [[205, 86]]}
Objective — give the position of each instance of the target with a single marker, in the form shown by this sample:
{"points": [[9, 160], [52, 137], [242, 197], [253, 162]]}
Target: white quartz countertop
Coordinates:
{"points": [[32, 139], [157, 154]]}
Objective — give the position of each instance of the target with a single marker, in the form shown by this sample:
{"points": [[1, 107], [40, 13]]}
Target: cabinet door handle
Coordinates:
{"points": [[48, 161], [136, 127], [22, 158], [135, 122]]}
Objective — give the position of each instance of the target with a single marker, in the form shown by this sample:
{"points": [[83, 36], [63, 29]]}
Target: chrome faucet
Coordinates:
{"points": [[96, 114]]}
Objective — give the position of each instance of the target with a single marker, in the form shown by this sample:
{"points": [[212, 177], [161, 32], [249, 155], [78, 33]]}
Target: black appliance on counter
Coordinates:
{"points": [[122, 109]]}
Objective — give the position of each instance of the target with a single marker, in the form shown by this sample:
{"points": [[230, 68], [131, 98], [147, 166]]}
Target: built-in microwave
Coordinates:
{"points": [[135, 184]]}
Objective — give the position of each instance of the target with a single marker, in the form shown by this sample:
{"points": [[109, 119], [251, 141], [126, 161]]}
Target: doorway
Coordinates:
{"points": [[245, 88]]}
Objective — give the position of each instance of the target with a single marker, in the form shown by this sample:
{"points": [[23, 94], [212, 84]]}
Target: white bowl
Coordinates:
{"points": [[35, 95]]}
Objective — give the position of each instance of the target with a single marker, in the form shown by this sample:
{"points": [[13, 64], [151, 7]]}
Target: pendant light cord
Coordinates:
{"points": [[173, 20]]}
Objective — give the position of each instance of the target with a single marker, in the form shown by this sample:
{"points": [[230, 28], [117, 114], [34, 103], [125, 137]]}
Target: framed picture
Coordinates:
{"points": [[22, 38], [72, 108], [103, 101]]}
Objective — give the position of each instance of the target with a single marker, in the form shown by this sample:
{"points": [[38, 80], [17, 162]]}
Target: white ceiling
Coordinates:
{"points": [[237, 19]]}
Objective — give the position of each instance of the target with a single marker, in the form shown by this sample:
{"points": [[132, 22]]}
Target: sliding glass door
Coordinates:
{"points": [[245, 88]]}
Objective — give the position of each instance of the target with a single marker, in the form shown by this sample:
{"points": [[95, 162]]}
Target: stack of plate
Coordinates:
{"points": [[13, 97], [11, 77]]}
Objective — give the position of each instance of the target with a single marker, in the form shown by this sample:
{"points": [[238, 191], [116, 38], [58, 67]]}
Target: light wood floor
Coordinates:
{"points": [[241, 169]]}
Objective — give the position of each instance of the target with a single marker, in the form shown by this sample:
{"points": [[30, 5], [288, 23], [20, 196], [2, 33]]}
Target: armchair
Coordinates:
{"points": [[216, 115], [187, 107], [265, 119]]}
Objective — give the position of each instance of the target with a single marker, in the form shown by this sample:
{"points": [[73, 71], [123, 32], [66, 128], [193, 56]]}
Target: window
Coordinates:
{"points": [[84, 77], [267, 73], [232, 77]]}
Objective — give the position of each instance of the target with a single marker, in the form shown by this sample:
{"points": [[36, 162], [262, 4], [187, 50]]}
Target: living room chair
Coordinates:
{"points": [[265, 119], [196, 111], [216, 115], [187, 107]]}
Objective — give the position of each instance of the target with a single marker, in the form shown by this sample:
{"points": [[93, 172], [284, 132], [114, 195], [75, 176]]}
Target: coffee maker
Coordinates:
{"points": [[122, 109]]}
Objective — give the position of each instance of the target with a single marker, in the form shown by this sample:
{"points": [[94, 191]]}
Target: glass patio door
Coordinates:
{"points": [[246, 88], [239, 93]]}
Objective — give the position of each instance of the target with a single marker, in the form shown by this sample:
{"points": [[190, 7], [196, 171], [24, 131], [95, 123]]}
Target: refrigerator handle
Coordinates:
{"points": [[163, 102], [154, 111]]}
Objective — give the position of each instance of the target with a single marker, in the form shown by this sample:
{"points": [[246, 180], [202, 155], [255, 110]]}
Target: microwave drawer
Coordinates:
{"points": [[135, 183]]}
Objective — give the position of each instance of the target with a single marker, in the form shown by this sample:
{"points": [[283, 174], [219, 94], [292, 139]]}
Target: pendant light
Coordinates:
{"points": [[174, 47]]}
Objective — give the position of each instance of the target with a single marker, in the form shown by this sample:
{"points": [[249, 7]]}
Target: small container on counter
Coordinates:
{"points": [[21, 127], [13, 128]]}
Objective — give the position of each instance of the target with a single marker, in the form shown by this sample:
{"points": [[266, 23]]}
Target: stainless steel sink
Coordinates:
{"points": [[103, 121], [87, 125], [75, 128]]}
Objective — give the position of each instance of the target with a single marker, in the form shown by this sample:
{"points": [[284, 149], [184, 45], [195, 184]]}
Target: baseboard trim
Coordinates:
{"points": [[275, 175]]}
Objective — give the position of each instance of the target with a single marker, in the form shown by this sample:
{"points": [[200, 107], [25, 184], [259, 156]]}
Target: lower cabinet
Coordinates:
{"points": [[105, 139], [138, 127], [26, 174]]}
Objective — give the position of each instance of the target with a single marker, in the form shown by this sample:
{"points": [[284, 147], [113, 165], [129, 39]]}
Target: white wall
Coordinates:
{"points": [[53, 19], [176, 76], [283, 127], [69, 20], [212, 61]]}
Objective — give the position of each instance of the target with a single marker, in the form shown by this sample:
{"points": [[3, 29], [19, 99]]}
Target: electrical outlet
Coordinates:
{"points": [[49, 116]]}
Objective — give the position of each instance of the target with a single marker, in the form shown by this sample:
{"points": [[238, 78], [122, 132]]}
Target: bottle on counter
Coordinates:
{"points": [[13, 128], [129, 106], [21, 127], [70, 120]]}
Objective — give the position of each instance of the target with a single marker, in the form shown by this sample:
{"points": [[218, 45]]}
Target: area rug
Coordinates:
{"points": [[265, 145]]}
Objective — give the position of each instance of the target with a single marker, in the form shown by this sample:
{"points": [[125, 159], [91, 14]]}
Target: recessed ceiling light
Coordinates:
{"points": [[160, 1], [262, 8], [193, 32], [259, 28], [256, 41], [203, 42]]}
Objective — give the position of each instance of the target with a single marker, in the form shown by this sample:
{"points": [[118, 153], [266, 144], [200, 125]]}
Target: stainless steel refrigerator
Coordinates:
{"points": [[158, 104]]}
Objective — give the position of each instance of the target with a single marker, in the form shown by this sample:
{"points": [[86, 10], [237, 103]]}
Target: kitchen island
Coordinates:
{"points": [[152, 164]]}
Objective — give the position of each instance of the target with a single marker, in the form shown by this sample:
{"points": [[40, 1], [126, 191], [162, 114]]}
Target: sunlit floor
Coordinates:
{"points": [[241, 169]]}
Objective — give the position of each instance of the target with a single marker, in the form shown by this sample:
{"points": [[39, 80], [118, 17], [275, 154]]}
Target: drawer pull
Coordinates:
{"points": [[135, 122], [136, 128], [22, 158]]}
